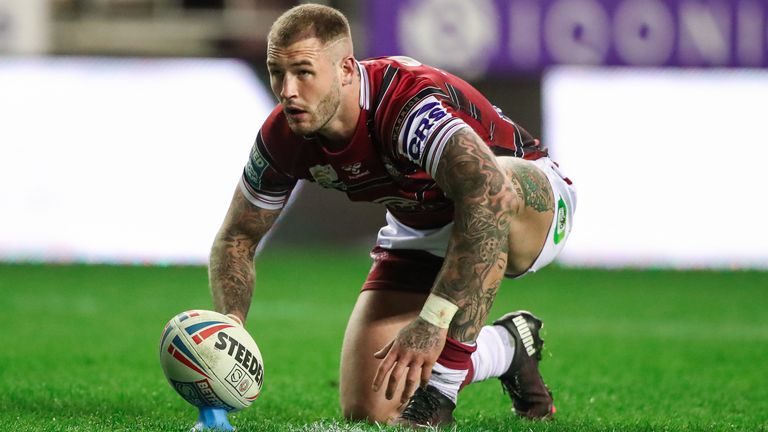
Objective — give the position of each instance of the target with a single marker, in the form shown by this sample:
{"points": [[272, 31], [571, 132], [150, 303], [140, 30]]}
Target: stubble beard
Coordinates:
{"points": [[325, 111]]}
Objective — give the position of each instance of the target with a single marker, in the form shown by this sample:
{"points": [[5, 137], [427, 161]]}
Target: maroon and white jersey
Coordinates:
{"points": [[409, 111]]}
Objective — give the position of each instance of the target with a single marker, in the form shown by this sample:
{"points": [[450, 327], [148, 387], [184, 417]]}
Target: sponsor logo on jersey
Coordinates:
{"points": [[421, 121], [256, 166], [326, 177], [355, 170], [562, 215]]}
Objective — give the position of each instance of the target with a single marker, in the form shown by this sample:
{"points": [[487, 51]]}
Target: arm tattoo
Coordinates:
{"points": [[231, 271], [477, 253], [420, 336], [532, 186]]}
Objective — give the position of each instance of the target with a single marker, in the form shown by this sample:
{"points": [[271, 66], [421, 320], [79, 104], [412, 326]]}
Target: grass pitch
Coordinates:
{"points": [[625, 350]]}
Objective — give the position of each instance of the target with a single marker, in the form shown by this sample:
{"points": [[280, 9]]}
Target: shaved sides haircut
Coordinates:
{"points": [[309, 20]]}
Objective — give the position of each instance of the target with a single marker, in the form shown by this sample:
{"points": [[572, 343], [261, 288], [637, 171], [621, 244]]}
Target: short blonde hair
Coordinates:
{"points": [[306, 21]]}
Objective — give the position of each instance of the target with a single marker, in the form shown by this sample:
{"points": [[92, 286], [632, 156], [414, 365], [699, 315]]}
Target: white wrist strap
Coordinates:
{"points": [[438, 311]]}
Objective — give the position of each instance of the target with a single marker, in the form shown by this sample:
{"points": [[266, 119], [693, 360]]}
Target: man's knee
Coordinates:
{"points": [[368, 411]]}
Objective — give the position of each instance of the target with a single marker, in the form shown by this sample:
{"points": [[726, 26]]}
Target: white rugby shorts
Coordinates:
{"points": [[395, 235]]}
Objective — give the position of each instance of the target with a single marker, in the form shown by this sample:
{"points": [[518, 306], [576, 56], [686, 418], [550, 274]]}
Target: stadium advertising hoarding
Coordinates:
{"points": [[135, 160], [502, 36], [121, 160], [669, 164]]}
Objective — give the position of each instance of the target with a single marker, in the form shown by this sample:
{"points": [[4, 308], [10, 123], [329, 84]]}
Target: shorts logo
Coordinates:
{"points": [[419, 124], [561, 221]]}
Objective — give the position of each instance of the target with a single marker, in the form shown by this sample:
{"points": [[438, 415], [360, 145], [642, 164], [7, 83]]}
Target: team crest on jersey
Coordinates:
{"points": [[326, 177]]}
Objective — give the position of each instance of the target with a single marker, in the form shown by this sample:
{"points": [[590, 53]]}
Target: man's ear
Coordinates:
{"points": [[348, 70]]}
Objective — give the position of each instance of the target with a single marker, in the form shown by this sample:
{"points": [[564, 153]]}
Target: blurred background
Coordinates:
{"points": [[125, 124]]}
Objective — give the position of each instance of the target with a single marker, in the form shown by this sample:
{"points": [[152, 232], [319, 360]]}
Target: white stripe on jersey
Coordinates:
{"points": [[261, 200], [438, 144], [365, 87]]}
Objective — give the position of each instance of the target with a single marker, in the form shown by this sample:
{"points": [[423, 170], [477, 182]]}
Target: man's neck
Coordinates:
{"points": [[342, 127]]}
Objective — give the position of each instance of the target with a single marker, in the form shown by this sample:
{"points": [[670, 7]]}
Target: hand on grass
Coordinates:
{"points": [[412, 354]]}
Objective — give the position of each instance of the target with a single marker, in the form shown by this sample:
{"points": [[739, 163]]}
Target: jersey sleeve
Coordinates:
{"points": [[416, 115], [429, 123], [262, 183]]}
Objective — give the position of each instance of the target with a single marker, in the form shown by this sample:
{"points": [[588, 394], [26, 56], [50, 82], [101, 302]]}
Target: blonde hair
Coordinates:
{"points": [[306, 21]]}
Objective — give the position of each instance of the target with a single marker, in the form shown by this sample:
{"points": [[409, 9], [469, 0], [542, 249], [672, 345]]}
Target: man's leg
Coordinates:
{"points": [[499, 351], [510, 350], [377, 317]]}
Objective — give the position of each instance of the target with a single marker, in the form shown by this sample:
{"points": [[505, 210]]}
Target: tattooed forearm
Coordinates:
{"points": [[420, 336], [231, 270], [477, 253]]}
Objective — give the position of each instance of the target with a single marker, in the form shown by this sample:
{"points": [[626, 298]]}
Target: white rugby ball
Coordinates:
{"points": [[211, 360]]}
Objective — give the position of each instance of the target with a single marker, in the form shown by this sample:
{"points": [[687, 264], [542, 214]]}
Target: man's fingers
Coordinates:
{"points": [[394, 379], [426, 373], [380, 354], [380, 373], [411, 382], [384, 366]]}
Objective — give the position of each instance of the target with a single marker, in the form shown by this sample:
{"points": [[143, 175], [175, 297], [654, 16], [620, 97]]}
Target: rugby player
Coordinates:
{"points": [[470, 198]]}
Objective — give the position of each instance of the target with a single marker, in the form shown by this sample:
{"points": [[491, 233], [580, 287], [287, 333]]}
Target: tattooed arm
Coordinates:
{"points": [[474, 263], [231, 270], [477, 252]]}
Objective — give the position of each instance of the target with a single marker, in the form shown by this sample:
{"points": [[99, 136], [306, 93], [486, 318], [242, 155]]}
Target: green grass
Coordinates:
{"points": [[625, 350]]}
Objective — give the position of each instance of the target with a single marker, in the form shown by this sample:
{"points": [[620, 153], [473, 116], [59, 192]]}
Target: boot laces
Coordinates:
{"points": [[422, 407]]}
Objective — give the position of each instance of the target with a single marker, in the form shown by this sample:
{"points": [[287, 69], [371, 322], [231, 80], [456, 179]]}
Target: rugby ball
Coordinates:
{"points": [[211, 360]]}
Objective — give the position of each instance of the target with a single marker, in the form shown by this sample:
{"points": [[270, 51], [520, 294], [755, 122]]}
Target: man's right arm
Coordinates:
{"points": [[231, 269]]}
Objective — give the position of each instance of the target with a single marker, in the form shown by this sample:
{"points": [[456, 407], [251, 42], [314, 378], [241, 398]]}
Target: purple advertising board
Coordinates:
{"points": [[503, 36]]}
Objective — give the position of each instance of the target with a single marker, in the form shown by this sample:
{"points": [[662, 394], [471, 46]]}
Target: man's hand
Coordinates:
{"points": [[416, 349], [236, 318]]}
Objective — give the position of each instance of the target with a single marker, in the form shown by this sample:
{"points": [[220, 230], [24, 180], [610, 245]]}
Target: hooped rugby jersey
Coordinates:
{"points": [[408, 113]]}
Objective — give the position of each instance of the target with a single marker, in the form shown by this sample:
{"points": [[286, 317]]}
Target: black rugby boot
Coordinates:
{"points": [[427, 408], [531, 398]]}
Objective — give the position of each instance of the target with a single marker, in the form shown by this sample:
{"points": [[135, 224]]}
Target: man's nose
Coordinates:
{"points": [[289, 88]]}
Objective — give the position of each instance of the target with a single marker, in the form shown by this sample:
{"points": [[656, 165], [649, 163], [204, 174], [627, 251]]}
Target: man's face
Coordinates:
{"points": [[304, 77]]}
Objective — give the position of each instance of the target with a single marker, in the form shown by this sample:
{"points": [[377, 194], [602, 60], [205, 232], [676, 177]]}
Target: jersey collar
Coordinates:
{"points": [[365, 87]]}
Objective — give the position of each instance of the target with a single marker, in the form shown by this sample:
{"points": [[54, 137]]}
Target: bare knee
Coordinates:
{"points": [[367, 411]]}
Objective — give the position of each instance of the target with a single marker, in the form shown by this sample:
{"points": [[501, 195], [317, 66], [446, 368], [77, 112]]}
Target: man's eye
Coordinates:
{"points": [[305, 73]]}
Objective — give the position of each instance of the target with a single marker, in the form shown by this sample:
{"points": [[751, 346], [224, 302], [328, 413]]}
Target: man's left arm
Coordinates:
{"points": [[474, 262], [476, 257]]}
